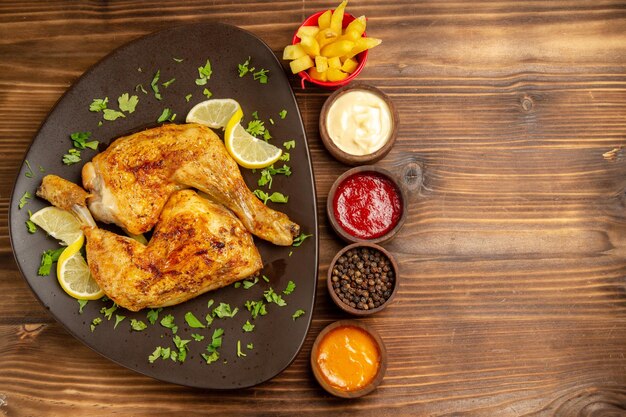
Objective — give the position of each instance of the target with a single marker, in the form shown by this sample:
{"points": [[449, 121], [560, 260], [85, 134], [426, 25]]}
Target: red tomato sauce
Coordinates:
{"points": [[367, 205]]}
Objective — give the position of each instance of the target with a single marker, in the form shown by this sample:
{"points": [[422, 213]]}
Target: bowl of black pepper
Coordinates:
{"points": [[362, 278]]}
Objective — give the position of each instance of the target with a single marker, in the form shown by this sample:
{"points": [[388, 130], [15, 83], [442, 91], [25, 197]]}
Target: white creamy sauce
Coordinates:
{"points": [[359, 122]]}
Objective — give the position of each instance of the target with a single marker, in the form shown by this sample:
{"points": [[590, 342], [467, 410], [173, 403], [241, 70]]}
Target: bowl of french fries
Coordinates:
{"points": [[330, 48]]}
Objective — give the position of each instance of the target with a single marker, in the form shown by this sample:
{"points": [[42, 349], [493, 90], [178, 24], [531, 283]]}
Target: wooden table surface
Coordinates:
{"points": [[513, 257]]}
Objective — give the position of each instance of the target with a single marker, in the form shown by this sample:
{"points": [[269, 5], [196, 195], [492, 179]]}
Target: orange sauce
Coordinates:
{"points": [[348, 358]]}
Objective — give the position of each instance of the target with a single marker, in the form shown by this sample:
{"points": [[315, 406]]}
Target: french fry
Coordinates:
{"points": [[324, 20], [321, 63], [356, 28], [334, 74], [336, 20], [307, 31], [303, 63], [325, 36], [349, 65], [337, 48], [310, 46], [334, 62], [362, 44], [292, 52], [316, 75]]}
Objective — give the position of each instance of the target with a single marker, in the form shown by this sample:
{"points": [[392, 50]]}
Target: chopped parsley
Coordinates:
{"points": [[224, 310], [197, 337], [250, 345], [193, 321], [118, 320], [239, 352], [168, 323], [80, 140], [256, 308], [98, 104], [297, 314], [300, 238], [265, 278], [81, 305], [94, 323], [111, 115], [139, 87], [47, 259], [272, 297], [188, 97], [138, 325], [71, 157], [29, 171], [267, 173], [290, 287], [24, 200], [216, 343], [243, 69], [210, 303], [181, 344], [153, 315], [207, 93], [108, 312], [126, 103], [248, 327], [249, 284], [166, 115], [204, 73], [285, 157], [31, 227], [256, 128], [209, 319], [275, 197], [289, 144], [261, 76], [168, 82], [282, 113], [155, 85]]}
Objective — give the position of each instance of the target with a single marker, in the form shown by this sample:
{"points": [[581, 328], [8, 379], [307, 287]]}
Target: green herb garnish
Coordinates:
{"points": [[47, 259], [168, 82], [98, 104], [108, 312], [153, 315], [256, 128], [188, 97], [31, 227], [192, 321], [29, 172], [282, 113], [155, 85], [290, 144], [224, 310], [118, 320], [297, 314], [181, 344], [139, 87], [249, 284], [216, 343], [79, 140], [267, 173], [261, 76], [275, 197], [272, 297], [248, 327], [239, 352], [126, 103], [94, 323], [300, 238], [24, 200], [166, 116], [111, 115], [207, 93], [168, 323], [81, 305], [204, 73], [285, 157], [138, 325], [256, 308], [243, 69], [265, 278], [179, 60], [71, 157], [290, 287], [197, 337], [250, 346]]}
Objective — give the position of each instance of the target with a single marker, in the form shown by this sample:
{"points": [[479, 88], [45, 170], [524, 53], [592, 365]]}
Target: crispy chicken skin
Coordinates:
{"points": [[62, 193], [197, 246], [131, 181]]}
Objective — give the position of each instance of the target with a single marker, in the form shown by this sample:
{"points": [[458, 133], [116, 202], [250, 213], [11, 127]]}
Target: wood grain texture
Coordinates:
{"points": [[513, 256]]}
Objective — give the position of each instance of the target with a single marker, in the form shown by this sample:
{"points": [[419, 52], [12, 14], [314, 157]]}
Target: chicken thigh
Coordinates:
{"points": [[131, 181]]}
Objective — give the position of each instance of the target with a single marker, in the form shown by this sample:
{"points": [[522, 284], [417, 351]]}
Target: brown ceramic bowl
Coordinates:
{"points": [[371, 386], [343, 156], [330, 203], [354, 310]]}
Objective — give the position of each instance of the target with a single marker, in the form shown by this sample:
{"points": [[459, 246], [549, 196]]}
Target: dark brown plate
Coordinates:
{"points": [[277, 337]]}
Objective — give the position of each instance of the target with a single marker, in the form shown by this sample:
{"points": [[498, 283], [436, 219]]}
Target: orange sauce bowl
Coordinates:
{"points": [[349, 359], [361, 58]]}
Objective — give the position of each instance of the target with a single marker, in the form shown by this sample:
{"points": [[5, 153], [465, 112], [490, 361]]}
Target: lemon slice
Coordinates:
{"points": [[214, 113], [248, 151], [74, 275], [58, 223]]}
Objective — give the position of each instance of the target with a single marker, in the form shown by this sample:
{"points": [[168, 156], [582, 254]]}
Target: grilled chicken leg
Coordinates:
{"points": [[197, 246], [131, 181]]}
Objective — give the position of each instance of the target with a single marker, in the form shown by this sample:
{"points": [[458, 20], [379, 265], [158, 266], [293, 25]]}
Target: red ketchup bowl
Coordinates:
{"points": [[361, 58], [366, 204]]}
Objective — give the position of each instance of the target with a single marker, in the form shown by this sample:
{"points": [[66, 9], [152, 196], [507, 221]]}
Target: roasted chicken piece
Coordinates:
{"points": [[197, 246], [131, 181]]}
